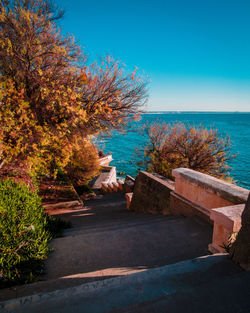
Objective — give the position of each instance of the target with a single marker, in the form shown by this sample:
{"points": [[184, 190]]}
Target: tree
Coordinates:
{"points": [[39, 65], [48, 89], [176, 145], [111, 96]]}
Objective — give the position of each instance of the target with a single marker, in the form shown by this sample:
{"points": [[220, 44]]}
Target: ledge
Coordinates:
{"points": [[229, 216], [104, 161], [227, 191]]}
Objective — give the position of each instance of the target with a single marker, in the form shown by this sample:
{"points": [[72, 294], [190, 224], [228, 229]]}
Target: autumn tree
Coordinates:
{"points": [[111, 96], [177, 145], [39, 65], [49, 95]]}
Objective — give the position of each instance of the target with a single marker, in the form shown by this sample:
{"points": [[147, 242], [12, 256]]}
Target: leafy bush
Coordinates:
{"points": [[84, 189], [23, 233], [177, 145], [84, 163], [55, 225]]}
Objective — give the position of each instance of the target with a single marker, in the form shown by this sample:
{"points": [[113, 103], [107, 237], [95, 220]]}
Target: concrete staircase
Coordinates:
{"points": [[113, 187], [114, 260], [210, 284]]}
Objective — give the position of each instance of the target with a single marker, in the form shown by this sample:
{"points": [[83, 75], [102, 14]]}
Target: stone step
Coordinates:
{"points": [[115, 187], [121, 184], [148, 245], [222, 295], [116, 224], [104, 188], [205, 284]]}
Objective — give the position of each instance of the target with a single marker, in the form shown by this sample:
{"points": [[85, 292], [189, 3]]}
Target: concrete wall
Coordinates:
{"points": [[207, 191], [105, 160], [183, 207], [151, 194], [193, 194]]}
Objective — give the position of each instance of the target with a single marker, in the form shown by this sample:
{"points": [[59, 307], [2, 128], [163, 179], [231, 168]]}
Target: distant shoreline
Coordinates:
{"points": [[197, 112]]}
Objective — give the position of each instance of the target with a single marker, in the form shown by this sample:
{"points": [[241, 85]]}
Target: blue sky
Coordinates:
{"points": [[196, 52]]}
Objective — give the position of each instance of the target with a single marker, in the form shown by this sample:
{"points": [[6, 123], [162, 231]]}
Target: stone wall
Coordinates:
{"points": [[207, 191], [193, 194], [212, 199], [183, 207], [106, 160], [151, 194]]}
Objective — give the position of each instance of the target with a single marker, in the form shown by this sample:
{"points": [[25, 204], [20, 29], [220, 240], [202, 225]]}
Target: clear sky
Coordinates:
{"points": [[196, 52]]}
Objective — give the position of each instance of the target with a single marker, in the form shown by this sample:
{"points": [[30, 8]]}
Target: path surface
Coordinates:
{"points": [[108, 241], [211, 284]]}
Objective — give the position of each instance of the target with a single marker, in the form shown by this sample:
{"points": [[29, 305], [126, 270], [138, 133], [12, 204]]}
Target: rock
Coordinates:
{"points": [[240, 250]]}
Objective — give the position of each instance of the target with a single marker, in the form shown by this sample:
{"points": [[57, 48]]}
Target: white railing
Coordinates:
{"points": [[105, 160]]}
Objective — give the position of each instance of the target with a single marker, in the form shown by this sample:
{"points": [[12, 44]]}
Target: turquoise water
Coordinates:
{"points": [[236, 125]]}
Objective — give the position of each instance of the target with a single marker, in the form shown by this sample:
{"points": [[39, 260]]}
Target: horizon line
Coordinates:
{"points": [[193, 111]]}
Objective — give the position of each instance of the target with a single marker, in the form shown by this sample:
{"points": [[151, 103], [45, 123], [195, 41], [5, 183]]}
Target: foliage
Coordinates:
{"points": [[56, 190], [19, 173], [84, 190], [23, 235], [55, 225], [111, 96], [83, 164], [37, 82], [231, 240], [50, 97], [176, 145]]}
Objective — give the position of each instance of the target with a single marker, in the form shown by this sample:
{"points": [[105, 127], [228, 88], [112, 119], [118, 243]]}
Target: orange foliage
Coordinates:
{"points": [[49, 96], [84, 163], [176, 145]]}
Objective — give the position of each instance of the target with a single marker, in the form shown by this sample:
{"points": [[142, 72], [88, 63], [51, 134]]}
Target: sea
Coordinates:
{"points": [[236, 125]]}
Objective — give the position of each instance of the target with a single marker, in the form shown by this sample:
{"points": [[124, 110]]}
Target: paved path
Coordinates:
{"points": [[108, 241], [211, 284]]}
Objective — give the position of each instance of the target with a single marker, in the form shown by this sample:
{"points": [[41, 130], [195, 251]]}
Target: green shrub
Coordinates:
{"points": [[23, 233], [55, 225]]}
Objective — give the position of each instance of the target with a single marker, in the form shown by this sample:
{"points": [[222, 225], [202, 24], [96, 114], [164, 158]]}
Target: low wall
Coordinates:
{"points": [[104, 161], [151, 194], [227, 221], [129, 184], [183, 207], [212, 199], [193, 194], [207, 191]]}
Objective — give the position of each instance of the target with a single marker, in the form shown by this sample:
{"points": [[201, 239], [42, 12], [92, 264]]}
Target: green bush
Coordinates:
{"points": [[24, 234], [55, 225]]}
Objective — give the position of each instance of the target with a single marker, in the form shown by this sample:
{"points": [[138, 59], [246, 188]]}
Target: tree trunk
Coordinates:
{"points": [[2, 163], [240, 250]]}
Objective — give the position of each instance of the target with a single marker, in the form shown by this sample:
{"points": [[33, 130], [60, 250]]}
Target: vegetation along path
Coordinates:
{"points": [[107, 241]]}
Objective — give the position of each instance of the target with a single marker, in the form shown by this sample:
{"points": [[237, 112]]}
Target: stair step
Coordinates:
{"points": [[208, 284], [104, 187], [121, 184], [110, 187], [117, 224], [115, 186]]}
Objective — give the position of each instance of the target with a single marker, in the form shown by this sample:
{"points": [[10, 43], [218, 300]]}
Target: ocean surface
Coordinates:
{"points": [[236, 125]]}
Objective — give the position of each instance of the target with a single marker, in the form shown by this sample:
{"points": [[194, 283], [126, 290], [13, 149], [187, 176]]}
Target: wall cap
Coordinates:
{"points": [[160, 179], [230, 192], [232, 212]]}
